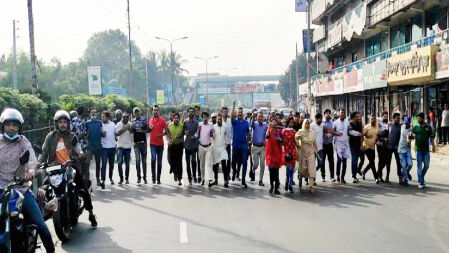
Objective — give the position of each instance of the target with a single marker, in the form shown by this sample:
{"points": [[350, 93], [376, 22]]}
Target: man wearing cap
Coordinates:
{"points": [[405, 151], [118, 116], [140, 130]]}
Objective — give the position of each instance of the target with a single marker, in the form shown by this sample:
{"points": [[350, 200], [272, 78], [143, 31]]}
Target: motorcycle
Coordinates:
{"points": [[15, 234], [62, 200]]}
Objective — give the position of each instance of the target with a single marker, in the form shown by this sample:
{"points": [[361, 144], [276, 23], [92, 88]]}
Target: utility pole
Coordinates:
{"points": [[148, 83], [309, 84], [297, 77], [34, 86], [206, 60], [130, 55], [14, 55]]}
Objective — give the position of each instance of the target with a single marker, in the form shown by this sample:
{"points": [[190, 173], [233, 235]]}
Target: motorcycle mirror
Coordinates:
{"points": [[24, 158], [74, 141]]}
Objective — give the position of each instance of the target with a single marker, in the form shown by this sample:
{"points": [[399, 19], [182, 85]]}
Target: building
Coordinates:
{"points": [[218, 90], [382, 55]]}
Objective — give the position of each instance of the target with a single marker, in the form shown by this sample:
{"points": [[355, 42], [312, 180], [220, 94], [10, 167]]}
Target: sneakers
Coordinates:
{"points": [[355, 180], [421, 186], [377, 181], [121, 181], [102, 185], [127, 182], [93, 220], [333, 180], [244, 186]]}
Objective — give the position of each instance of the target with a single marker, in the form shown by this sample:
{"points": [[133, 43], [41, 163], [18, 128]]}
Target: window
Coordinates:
{"points": [[406, 32], [354, 57], [435, 18]]}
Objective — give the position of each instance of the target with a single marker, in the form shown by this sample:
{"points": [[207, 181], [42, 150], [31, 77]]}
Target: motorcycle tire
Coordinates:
{"points": [[62, 225]]}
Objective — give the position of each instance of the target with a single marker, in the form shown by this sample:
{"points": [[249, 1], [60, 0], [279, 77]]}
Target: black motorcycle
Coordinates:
{"points": [[15, 234], [62, 200]]}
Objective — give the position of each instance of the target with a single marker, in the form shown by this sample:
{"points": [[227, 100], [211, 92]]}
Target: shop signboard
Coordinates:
{"points": [[442, 61], [335, 34], [414, 67], [338, 83], [374, 75], [351, 81]]}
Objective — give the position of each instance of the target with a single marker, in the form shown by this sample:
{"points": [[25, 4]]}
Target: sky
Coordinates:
{"points": [[258, 37]]}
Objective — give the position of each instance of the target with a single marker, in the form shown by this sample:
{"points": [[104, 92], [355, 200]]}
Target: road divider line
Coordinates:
{"points": [[183, 232]]}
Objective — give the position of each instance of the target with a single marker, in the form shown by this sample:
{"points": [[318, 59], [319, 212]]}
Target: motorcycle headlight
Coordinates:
{"points": [[56, 180]]}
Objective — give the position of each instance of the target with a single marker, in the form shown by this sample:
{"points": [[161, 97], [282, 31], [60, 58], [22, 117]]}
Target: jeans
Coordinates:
{"points": [[355, 153], [191, 155], [156, 154], [108, 154], [33, 214], [123, 153], [90, 155], [329, 153], [259, 159], [406, 164], [140, 151], [422, 157], [320, 164], [382, 151], [240, 154], [290, 172]]}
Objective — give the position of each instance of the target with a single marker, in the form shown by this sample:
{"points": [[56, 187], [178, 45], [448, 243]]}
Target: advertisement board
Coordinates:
{"points": [[375, 75], [442, 62], [243, 89], [160, 97], [114, 90], [94, 80]]}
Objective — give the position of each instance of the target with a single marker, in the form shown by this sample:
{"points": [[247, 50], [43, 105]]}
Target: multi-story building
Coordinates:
{"points": [[381, 55]]}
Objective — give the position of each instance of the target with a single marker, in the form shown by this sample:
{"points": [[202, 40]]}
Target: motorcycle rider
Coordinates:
{"points": [[58, 148], [12, 145]]}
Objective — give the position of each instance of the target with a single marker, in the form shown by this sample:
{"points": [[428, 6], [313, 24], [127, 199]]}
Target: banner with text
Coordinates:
{"points": [[94, 80]]}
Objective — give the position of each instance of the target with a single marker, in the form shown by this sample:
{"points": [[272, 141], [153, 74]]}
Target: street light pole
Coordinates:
{"points": [[171, 63], [206, 60]]}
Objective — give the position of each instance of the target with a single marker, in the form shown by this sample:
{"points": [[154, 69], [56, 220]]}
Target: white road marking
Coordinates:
{"points": [[183, 232]]}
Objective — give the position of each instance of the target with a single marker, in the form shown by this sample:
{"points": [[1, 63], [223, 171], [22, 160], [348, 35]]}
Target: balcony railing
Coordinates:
{"points": [[423, 42]]}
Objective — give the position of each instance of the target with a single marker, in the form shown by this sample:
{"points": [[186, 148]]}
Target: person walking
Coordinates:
{"points": [[445, 124], [341, 127], [273, 155], [422, 134], [124, 134], [318, 129], [240, 139], [191, 145], [176, 143], [140, 130], [228, 124], [355, 143], [94, 132], [394, 136], [205, 133], [158, 128], [328, 146], [382, 150], [78, 127], [259, 131], [405, 151], [108, 145], [369, 137], [219, 152], [289, 152], [308, 152]]}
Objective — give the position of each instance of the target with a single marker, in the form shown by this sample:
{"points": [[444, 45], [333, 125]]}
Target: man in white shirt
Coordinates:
{"points": [[228, 124], [108, 147], [124, 133], [219, 153], [445, 124], [341, 127], [318, 128]]}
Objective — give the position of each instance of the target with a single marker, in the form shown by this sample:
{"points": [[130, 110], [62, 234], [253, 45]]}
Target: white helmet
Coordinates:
{"points": [[61, 114], [11, 114]]}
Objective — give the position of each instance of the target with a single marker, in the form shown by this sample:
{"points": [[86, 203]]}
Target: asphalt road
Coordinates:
{"points": [[336, 218]]}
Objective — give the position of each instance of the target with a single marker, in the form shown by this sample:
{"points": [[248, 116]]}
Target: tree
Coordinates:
{"points": [[287, 82]]}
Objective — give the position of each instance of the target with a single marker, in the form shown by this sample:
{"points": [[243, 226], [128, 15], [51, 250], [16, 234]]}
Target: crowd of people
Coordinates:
{"points": [[233, 142], [208, 142]]}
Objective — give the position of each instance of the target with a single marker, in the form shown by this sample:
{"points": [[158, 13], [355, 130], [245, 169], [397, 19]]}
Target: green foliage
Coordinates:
{"points": [[287, 82]]}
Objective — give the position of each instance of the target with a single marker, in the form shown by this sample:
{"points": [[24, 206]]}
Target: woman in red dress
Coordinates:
{"points": [[273, 154], [289, 153]]}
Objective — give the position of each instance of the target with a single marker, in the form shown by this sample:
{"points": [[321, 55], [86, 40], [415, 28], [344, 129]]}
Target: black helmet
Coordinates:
{"points": [[61, 114]]}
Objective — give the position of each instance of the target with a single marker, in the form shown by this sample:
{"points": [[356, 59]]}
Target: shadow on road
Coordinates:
{"points": [[87, 239]]}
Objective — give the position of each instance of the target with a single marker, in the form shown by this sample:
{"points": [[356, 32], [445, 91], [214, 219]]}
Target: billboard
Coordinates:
{"points": [[160, 97], [374, 75], [94, 80], [114, 91], [243, 89], [442, 61], [304, 40], [301, 5], [214, 90]]}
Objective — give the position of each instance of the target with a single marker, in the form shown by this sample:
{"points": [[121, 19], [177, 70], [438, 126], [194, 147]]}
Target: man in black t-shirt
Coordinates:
{"points": [[140, 130]]}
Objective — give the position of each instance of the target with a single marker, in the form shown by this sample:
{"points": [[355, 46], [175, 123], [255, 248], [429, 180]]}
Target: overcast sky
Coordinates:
{"points": [[255, 36]]}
